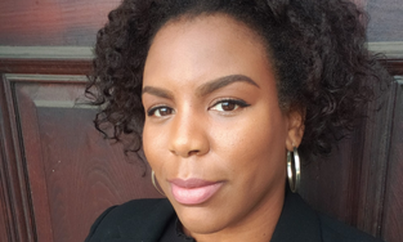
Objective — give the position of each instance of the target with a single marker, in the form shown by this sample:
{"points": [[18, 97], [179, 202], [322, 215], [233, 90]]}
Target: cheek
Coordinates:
{"points": [[152, 145], [252, 144]]}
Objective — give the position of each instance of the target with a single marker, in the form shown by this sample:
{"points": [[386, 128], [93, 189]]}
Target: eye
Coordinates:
{"points": [[160, 111], [229, 105]]}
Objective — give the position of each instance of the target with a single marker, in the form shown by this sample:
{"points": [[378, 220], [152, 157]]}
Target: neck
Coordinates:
{"points": [[257, 226]]}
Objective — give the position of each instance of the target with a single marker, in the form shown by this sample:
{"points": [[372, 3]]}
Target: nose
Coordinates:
{"points": [[188, 136]]}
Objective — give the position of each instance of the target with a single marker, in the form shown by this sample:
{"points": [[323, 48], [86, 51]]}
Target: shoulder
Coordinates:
{"points": [[131, 219], [334, 230], [299, 222]]}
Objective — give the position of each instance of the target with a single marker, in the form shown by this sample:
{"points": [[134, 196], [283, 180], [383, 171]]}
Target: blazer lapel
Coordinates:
{"points": [[146, 226]]}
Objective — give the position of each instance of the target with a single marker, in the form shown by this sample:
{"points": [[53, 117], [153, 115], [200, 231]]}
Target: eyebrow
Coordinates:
{"points": [[204, 89], [221, 82], [159, 92]]}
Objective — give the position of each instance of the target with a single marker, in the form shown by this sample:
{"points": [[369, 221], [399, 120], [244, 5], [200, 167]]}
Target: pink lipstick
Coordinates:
{"points": [[193, 191]]}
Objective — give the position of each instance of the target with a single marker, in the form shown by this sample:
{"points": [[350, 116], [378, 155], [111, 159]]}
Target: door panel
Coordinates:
{"points": [[393, 210], [72, 172]]}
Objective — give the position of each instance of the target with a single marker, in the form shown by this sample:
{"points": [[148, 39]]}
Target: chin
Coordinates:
{"points": [[202, 226], [200, 220]]}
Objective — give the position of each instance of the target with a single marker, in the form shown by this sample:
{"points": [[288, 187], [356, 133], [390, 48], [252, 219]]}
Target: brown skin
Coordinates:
{"points": [[195, 132]]}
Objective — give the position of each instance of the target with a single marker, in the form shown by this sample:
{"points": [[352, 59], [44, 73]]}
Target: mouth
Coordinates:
{"points": [[193, 191]]}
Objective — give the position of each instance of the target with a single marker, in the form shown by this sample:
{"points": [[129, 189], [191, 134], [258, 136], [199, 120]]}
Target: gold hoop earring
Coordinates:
{"points": [[153, 180], [293, 180]]}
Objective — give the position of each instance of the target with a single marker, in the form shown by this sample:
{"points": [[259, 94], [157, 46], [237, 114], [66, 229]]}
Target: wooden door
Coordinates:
{"points": [[60, 174], [57, 173]]}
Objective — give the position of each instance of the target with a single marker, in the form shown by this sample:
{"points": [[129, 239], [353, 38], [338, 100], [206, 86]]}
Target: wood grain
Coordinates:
{"points": [[393, 209], [52, 22], [74, 174], [376, 144], [45, 66], [4, 226], [16, 189], [329, 184], [75, 23], [394, 66], [36, 176]]}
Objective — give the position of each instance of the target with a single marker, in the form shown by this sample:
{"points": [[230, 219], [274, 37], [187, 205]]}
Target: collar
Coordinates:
{"points": [[298, 222]]}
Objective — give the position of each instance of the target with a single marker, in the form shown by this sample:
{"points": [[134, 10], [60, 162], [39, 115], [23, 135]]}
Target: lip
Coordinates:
{"points": [[193, 191]]}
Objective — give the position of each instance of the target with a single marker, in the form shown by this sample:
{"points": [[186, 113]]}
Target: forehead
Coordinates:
{"points": [[203, 47], [209, 22]]}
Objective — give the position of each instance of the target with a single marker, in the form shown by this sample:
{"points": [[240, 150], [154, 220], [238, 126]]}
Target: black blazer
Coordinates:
{"points": [[145, 220]]}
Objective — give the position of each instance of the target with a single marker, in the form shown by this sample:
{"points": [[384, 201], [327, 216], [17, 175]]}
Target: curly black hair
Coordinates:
{"points": [[317, 47]]}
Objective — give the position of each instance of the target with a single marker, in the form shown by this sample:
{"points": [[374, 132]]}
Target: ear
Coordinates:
{"points": [[296, 129]]}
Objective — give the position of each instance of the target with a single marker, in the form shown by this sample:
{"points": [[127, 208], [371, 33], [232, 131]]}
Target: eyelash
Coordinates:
{"points": [[239, 103], [152, 111]]}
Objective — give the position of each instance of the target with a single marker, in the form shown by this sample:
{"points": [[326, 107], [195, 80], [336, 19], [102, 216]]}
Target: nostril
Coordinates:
{"points": [[173, 152], [193, 152], [185, 154]]}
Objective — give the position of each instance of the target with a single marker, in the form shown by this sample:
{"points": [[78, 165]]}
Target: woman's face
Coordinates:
{"points": [[214, 133]]}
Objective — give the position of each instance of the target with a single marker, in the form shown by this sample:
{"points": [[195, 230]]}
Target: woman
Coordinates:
{"points": [[220, 94]]}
